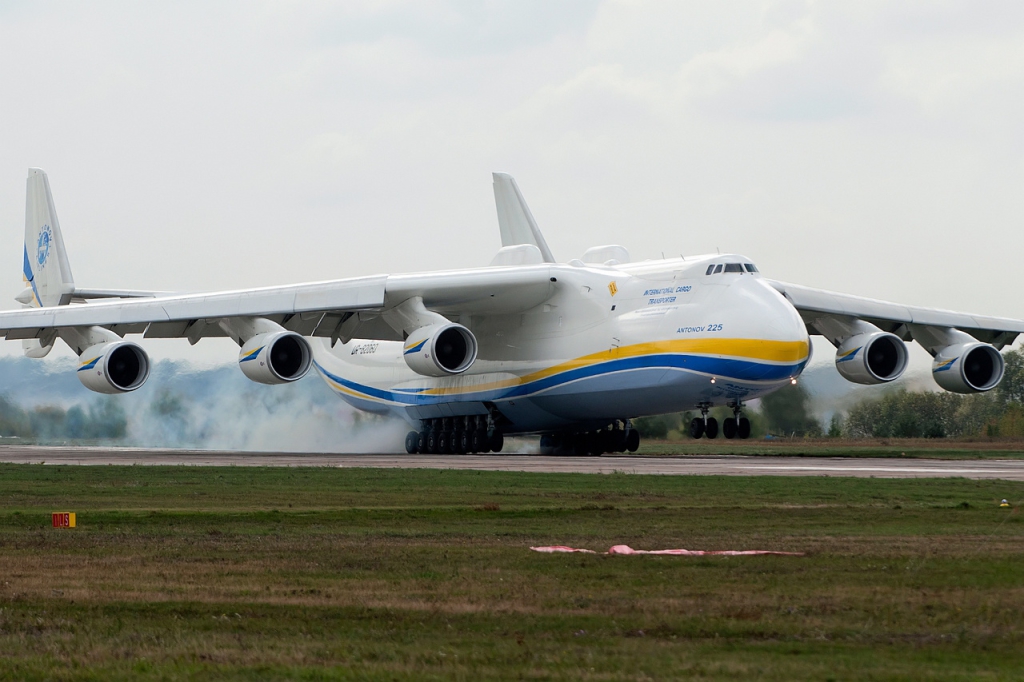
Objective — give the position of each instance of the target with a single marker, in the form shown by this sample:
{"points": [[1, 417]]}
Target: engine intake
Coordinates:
{"points": [[872, 358], [440, 350], [115, 367], [275, 357], [968, 368]]}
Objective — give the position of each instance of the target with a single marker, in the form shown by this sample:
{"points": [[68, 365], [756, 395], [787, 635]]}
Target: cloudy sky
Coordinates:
{"points": [[874, 148]]}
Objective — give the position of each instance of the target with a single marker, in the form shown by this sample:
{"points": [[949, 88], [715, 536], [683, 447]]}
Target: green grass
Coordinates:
{"points": [[240, 573], [912, 448]]}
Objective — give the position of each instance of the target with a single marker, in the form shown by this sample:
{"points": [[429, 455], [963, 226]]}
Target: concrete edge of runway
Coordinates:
{"points": [[728, 465]]}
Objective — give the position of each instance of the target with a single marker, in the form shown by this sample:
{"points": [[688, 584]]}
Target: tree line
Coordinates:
{"points": [[103, 419]]}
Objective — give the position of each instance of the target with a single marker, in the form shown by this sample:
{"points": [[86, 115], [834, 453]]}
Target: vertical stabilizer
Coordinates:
{"points": [[46, 269], [514, 218]]}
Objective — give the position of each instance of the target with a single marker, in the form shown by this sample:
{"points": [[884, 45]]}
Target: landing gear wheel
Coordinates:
{"points": [[422, 446], [547, 444], [743, 430], [711, 428], [633, 440], [495, 440], [480, 441], [696, 427], [462, 442], [443, 441], [412, 442], [729, 428], [432, 442]]}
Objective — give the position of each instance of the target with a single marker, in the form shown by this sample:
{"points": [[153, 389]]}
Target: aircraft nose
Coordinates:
{"points": [[774, 318]]}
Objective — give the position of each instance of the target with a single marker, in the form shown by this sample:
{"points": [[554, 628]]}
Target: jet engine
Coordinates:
{"points": [[275, 357], [113, 367], [872, 358], [440, 350], [968, 368]]}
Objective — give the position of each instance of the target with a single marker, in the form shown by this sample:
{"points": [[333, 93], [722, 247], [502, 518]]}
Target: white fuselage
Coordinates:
{"points": [[610, 343]]}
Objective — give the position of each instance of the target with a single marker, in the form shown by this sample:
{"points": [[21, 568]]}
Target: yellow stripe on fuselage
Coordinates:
{"points": [[748, 349]]}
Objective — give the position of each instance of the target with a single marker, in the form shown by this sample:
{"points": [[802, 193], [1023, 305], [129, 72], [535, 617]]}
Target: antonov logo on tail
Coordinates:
{"points": [[521, 346], [43, 245]]}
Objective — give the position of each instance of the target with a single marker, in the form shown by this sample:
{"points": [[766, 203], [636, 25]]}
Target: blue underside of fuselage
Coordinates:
{"points": [[651, 384]]}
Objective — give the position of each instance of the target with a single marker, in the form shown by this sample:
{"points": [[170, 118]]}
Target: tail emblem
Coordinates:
{"points": [[43, 247]]}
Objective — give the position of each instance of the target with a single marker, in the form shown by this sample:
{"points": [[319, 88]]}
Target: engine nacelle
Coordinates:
{"points": [[968, 368], [275, 357], [872, 358], [440, 350], [114, 367]]}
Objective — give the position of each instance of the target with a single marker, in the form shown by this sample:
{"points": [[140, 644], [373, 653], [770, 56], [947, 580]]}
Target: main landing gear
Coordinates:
{"points": [[455, 436], [733, 427], [617, 437]]}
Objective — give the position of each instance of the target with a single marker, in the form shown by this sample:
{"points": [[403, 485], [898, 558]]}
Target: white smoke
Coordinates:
{"points": [[215, 408]]}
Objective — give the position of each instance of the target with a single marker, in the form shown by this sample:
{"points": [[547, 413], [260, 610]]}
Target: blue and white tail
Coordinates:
{"points": [[46, 269]]}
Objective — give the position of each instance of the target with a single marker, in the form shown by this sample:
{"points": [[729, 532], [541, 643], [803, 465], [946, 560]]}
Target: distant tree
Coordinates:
{"points": [[107, 420], [14, 421], [47, 422], [1011, 388], [921, 414], [76, 423], [787, 412], [657, 427], [1011, 423], [835, 426]]}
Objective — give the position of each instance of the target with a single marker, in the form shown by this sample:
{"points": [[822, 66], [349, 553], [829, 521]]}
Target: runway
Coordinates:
{"points": [[727, 465]]}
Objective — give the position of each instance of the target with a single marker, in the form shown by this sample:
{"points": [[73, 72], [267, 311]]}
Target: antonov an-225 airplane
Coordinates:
{"points": [[571, 351]]}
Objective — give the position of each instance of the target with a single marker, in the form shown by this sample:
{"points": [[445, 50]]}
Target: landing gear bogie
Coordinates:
{"points": [[617, 437], [732, 427]]}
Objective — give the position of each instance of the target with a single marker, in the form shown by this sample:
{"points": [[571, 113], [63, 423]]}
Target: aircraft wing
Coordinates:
{"points": [[315, 309], [815, 304]]}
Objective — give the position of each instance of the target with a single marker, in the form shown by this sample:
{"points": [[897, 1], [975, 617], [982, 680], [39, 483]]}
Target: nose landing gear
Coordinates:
{"points": [[734, 427], [704, 425], [737, 426]]}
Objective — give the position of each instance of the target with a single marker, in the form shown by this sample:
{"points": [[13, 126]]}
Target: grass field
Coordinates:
{"points": [[931, 448], [315, 574]]}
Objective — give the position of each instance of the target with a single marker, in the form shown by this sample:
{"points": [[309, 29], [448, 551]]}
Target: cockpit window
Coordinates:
{"points": [[734, 267], [711, 268], [718, 268], [750, 267]]}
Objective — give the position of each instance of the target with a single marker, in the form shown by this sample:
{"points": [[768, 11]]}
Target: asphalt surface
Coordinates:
{"points": [[728, 465]]}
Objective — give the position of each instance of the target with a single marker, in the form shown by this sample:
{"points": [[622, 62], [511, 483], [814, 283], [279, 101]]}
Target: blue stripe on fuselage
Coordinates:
{"points": [[726, 368]]}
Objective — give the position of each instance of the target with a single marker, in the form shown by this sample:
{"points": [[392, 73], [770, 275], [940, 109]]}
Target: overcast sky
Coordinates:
{"points": [[874, 148]]}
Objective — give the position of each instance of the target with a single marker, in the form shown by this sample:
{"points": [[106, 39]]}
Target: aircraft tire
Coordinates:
{"points": [[432, 442], [729, 428], [696, 427], [479, 441], [449, 442], [743, 430], [711, 428], [633, 440], [442, 443], [547, 444], [463, 442], [495, 440], [412, 442], [422, 446]]}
